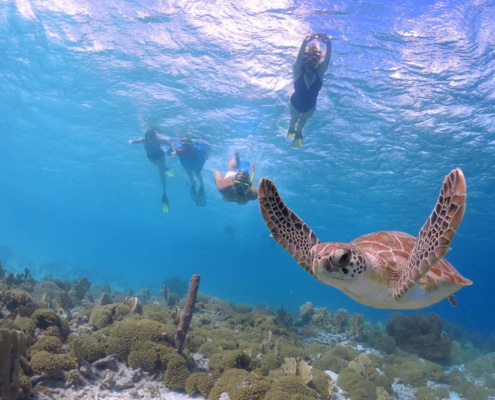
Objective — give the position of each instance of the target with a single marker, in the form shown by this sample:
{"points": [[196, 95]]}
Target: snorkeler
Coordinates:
{"points": [[192, 156], [237, 185], [152, 142], [308, 71]]}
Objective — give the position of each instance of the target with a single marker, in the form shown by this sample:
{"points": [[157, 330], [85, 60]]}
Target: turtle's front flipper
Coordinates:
{"points": [[286, 227], [436, 234]]}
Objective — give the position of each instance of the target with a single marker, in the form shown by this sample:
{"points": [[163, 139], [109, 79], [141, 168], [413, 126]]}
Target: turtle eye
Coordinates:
{"points": [[341, 258]]}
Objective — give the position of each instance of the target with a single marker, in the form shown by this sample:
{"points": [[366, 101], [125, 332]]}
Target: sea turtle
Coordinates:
{"points": [[388, 269]]}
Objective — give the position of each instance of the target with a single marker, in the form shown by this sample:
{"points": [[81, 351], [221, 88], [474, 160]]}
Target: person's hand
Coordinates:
{"points": [[324, 38], [131, 141]]}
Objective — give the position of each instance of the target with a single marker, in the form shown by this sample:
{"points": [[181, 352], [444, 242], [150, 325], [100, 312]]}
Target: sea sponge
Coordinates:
{"points": [[358, 387], [51, 364], [199, 383]]}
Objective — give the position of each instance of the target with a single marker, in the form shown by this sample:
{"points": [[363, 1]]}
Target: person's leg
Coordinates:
{"points": [[160, 163], [302, 121], [192, 191], [233, 162], [201, 201], [294, 117]]}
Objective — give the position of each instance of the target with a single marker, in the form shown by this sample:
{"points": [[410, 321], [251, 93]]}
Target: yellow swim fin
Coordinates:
{"points": [[169, 173], [297, 142], [165, 205], [291, 135]]}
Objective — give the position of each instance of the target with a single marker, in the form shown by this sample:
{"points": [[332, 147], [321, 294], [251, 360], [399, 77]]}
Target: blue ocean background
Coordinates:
{"points": [[409, 96]]}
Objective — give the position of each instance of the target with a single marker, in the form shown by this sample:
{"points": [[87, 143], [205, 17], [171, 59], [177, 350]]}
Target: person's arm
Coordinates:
{"points": [[167, 141], [326, 61], [298, 65], [253, 193], [136, 141]]}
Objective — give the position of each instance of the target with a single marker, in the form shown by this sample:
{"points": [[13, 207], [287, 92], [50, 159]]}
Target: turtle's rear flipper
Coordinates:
{"points": [[286, 227], [436, 234]]}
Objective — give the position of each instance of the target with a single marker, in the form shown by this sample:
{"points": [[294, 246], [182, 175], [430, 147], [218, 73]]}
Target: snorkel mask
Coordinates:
{"points": [[243, 185], [312, 55]]}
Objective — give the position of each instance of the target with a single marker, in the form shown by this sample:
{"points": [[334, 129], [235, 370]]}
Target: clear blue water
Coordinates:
{"points": [[409, 95]]}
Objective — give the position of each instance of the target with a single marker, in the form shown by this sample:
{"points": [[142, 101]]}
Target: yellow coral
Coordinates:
{"points": [[199, 382]]}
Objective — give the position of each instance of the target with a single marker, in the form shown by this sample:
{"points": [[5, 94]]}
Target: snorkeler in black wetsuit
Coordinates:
{"points": [[192, 156], [152, 142], [308, 73]]}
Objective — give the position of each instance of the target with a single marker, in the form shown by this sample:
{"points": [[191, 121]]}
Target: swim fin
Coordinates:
{"points": [[292, 133], [169, 172], [192, 192], [298, 141], [165, 205], [201, 199]]}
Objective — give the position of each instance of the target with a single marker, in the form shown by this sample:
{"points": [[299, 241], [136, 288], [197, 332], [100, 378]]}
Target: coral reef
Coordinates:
{"points": [[420, 334], [68, 335], [12, 346]]}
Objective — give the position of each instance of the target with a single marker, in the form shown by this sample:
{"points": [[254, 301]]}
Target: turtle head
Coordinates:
{"points": [[337, 262]]}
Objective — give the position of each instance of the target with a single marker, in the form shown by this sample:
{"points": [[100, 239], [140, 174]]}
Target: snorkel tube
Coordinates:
{"points": [[253, 169]]}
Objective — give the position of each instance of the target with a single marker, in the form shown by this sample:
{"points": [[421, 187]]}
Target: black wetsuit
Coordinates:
{"points": [[304, 99]]}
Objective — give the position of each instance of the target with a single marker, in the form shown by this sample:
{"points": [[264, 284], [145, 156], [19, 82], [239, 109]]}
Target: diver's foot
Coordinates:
{"points": [[169, 172], [201, 199], [291, 133], [298, 140], [192, 192], [165, 205]]}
